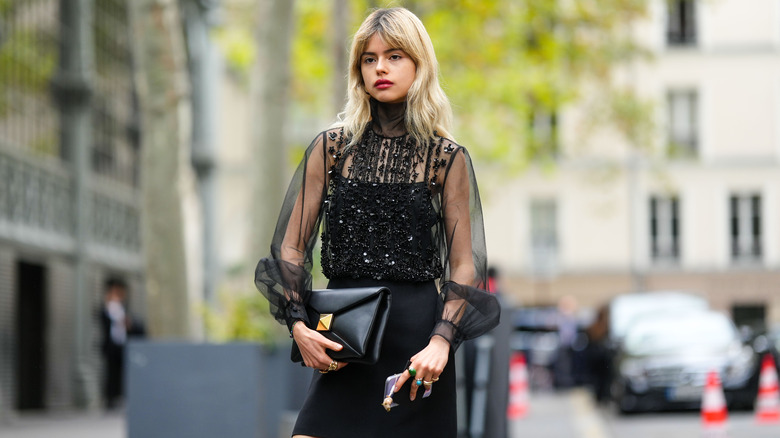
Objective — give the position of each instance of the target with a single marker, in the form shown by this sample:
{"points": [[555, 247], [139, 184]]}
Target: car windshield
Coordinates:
{"points": [[662, 334], [627, 308]]}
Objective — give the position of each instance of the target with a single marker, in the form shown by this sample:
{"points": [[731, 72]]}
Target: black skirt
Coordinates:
{"points": [[348, 403]]}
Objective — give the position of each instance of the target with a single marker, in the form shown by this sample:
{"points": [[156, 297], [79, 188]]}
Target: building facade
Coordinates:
{"points": [[69, 197], [700, 212]]}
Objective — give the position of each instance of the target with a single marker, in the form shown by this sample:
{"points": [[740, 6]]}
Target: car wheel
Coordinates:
{"points": [[625, 402]]}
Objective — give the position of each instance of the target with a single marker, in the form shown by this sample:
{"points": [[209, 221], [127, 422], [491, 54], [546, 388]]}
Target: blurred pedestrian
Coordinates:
{"points": [[114, 325], [399, 207], [598, 355], [563, 369]]}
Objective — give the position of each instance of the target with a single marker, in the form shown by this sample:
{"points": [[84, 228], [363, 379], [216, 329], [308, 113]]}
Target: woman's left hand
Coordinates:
{"points": [[428, 365]]}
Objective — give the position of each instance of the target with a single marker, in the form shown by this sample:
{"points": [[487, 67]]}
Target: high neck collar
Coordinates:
{"points": [[388, 119]]}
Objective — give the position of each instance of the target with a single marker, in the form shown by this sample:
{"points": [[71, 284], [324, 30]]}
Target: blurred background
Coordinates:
{"points": [[623, 148]]}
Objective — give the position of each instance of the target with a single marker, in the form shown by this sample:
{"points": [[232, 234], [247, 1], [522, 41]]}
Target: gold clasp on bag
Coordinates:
{"points": [[326, 319]]}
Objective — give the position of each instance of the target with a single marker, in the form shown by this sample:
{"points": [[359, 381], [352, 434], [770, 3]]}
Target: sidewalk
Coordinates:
{"points": [[65, 425], [551, 415]]}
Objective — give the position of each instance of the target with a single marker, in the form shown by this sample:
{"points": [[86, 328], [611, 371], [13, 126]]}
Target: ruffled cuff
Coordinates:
{"points": [[465, 313], [287, 287], [295, 312]]}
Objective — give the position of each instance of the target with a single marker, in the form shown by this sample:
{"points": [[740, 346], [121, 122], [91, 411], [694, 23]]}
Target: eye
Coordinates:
{"points": [[368, 60], [395, 56]]}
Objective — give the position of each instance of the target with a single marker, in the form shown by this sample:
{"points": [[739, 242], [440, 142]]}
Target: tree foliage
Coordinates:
{"points": [[28, 55], [242, 315], [503, 63]]}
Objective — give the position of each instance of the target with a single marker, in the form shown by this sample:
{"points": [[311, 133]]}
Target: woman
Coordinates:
{"points": [[397, 204]]}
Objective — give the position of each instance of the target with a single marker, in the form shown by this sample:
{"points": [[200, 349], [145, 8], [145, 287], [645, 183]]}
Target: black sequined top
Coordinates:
{"points": [[379, 221], [386, 208]]}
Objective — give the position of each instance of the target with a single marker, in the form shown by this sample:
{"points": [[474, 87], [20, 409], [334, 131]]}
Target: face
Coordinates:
{"points": [[387, 72], [116, 293]]}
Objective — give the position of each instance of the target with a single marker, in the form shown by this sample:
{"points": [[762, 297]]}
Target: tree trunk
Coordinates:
{"points": [[270, 96], [340, 51], [162, 89]]}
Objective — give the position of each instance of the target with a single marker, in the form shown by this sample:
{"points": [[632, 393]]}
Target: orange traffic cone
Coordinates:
{"points": [[714, 413], [768, 400], [518, 387]]}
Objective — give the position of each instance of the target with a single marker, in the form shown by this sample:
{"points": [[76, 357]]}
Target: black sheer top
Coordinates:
{"points": [[387, 208]]}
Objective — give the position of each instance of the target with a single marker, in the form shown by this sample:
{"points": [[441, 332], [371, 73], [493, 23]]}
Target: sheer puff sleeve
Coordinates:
{"points": [[466, 309], [284, 276]]}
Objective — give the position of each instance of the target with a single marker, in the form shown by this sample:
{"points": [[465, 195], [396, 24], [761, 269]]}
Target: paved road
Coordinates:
{"points": [[65, 425], [574, 415], [551, 415]]}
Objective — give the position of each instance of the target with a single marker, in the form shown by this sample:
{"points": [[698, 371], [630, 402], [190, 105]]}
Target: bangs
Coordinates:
{"points": [[395, 28]]}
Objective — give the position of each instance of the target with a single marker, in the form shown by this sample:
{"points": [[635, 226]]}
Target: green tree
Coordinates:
{"points": [[28, 61], [506, 65]]}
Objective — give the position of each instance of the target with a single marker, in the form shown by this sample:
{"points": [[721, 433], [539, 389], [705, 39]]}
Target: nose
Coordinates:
{"points": [[381, 66]]}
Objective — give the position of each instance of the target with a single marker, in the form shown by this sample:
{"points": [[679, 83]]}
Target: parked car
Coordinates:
{"points": [[620, 313], [625, 309], [665, 357]]}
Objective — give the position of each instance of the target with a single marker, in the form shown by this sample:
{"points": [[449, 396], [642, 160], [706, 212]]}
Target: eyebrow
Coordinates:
{"points": [[372, 53]]}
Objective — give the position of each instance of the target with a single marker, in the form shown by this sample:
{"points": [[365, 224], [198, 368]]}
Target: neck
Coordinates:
{"points": [[388, 119]]}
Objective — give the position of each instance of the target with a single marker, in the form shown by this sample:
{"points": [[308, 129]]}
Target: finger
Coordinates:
{"points": [[329, 365], [317, 359], [325, 363], [401, 380], [413, 390], [341, 365], [327, 343], [316, 363]]}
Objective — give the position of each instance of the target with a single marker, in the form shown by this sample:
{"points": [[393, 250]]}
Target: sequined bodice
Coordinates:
{"points": [[379, 230], [380, 217]]}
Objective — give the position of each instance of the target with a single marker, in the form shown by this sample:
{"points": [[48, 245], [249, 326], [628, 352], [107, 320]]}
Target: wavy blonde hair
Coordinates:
{"points": [[427, 107]]}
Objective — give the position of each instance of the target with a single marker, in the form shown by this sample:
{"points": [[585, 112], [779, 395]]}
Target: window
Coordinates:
{"points": [[664, 228], [681, 23], [746, 228], [544, 235], [543, 133], [683, 138]]}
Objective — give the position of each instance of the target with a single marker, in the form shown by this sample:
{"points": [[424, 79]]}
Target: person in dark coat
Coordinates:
{"points": [[114, 324]]}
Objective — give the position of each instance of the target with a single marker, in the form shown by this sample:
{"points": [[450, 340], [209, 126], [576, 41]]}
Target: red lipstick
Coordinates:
{"points": [[382, 84]]}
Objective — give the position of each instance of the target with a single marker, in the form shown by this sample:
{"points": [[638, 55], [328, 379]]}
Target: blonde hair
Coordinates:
{"points": [[427, 107]]}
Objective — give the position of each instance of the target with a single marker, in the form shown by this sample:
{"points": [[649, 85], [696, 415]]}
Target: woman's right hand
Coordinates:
{"points": [[313, 345]]}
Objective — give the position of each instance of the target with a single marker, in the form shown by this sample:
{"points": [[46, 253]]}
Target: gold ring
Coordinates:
{"points": [[427, 383], [435, 379], [332, 367]]}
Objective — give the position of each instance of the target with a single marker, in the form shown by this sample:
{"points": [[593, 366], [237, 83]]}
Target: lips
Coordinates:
{"points": [[382, 84]]}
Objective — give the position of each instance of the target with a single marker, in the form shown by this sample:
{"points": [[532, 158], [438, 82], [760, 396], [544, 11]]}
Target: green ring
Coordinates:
{"points": [[412, 371]]}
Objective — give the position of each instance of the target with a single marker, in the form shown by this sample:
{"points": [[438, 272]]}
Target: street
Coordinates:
{"points": [[573, 414], [551, 415]]}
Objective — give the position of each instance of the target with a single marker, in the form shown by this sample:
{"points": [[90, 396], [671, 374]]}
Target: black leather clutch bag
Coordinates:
{"points": [[354, 317]]}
